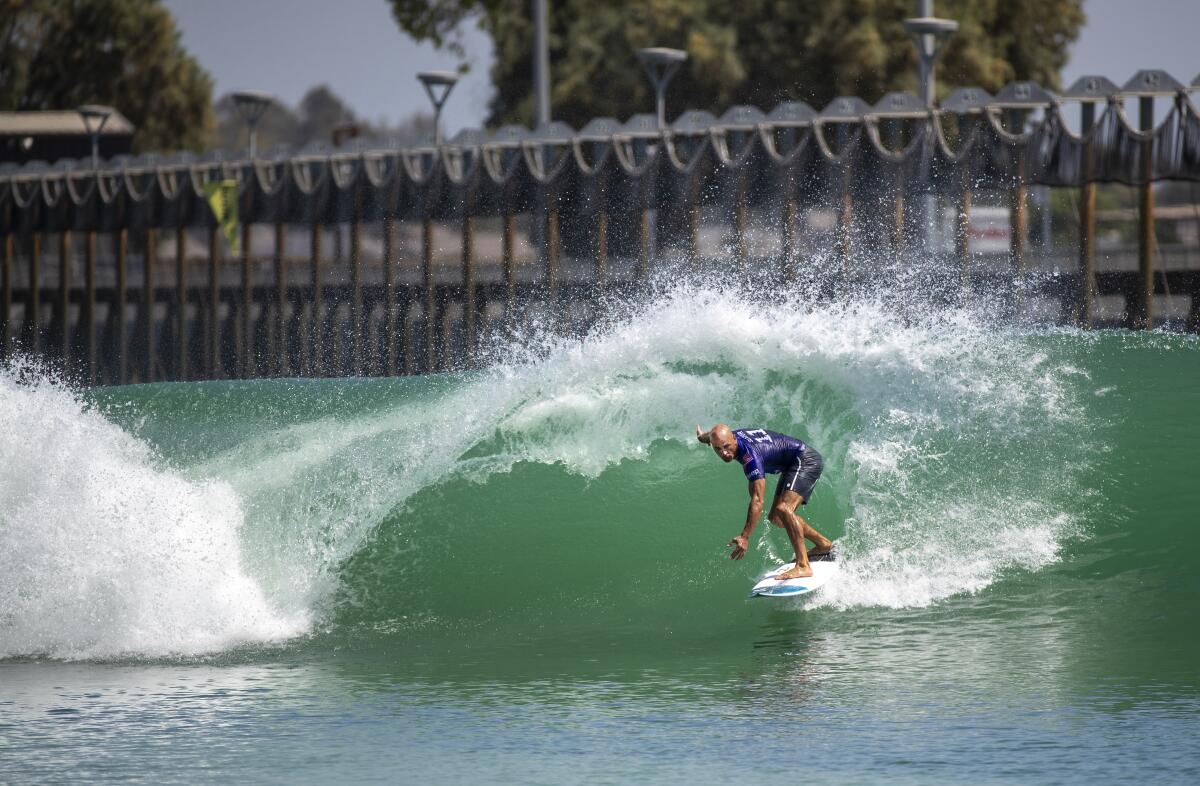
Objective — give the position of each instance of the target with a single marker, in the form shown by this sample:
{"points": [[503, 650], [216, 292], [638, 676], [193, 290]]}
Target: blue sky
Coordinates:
{"points": [[354, 46]]}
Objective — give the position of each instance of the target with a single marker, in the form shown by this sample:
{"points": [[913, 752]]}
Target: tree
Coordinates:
{"points": [[277, 126], [321, 111], [314, 120], [59, 54], [753, 51]]}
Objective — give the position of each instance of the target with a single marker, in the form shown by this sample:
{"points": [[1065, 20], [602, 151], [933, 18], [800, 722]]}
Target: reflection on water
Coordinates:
{"points": [[980, 685]]}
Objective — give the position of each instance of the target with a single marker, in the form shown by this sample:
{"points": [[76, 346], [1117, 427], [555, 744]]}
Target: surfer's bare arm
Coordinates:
{"points": [[702, 435], [753, 513]]}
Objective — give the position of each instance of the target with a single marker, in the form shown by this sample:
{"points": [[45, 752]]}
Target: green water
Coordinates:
{"points": [[519, 575]]}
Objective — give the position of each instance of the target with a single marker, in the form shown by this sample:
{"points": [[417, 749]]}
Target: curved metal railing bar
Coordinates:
{"points": [[1049, 143], [493, 163], [456, 171], [718, 138], [53, 183], [677, 163], [131, 188], [79, 198], [35, 189], [1133, 131], [536, 168], [380, 167], [411, 161], [871, 125], [581, 160], [766, 133], [827, 151], [270, 175], [110, 185], [993, 117], [344, 170], [168, 182], [200, 174], [966, 145], [302, 176], [627, 159]]}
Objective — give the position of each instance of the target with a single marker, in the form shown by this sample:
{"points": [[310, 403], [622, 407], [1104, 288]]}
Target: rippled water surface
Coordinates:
{"points": [[518, 575]]}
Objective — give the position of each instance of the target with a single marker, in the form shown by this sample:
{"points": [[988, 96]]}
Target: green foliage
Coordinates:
{"points": [[59, 54], [753, 51], [319, 114]]}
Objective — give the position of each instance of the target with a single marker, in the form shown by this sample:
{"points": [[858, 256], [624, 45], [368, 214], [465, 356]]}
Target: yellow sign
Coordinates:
{"points": [[223, 200]]}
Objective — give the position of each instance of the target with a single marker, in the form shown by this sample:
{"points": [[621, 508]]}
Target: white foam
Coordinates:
{"points": [[953, 444], [922, 424], [104, 552]]}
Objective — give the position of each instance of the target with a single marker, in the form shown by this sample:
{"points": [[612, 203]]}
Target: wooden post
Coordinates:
{"points": [[552, 259], [149, 260], [509, 263], [791, 240], [962, 233], [389, 297], [245, 341], [63, 328], [898, 219], [741, 223], [356, 304], [444, 327], [212, 354], [601, 251], [694, 235], [643, 270], [962, 236], [845, 230], [280, 347], [1017, 218], [1144, 304], [33, 303], [89, 304], [1018, 221], [895, 129], [181, 304], [430, 295], [1142, 313], [410, 349], [119, 304], [6, 268], [314, 357], [468, 283], [1086, 294]]}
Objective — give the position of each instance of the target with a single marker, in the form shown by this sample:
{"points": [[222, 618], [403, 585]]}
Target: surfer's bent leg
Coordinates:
{"points": [[795, 485], [782, 516], [801, 478]]}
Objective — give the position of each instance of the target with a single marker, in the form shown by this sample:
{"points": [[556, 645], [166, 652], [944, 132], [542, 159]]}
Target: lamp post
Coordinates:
{"points": [[435, 81], [250, 105], [94, 117], [541, 63], [661, 64], [928, 33]]}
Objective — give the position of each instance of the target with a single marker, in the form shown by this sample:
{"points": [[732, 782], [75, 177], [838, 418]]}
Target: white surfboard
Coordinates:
{"points": [[824, 569]]}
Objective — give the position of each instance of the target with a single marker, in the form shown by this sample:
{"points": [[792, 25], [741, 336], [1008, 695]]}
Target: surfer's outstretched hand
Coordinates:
{"points": [[740, 545]]}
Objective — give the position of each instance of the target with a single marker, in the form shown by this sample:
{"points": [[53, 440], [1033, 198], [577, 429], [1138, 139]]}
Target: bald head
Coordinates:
{"points": [[723, 442]]}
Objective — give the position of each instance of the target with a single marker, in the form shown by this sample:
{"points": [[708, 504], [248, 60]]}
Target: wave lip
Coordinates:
{"points": [[106, 555]]}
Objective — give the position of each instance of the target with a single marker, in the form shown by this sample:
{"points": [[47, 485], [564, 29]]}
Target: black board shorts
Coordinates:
{"points": [[801, 476]]}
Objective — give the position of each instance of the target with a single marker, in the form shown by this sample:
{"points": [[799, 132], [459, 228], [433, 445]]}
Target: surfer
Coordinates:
{"points": [[763, 453]]}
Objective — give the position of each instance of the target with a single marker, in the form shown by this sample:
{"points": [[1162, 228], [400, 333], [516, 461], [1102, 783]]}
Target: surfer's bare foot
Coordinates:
{"points": [[818, 551], [798, 572]]}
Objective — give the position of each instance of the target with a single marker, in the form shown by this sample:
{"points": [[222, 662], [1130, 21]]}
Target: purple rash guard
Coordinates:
{"points": [[765, 452]]}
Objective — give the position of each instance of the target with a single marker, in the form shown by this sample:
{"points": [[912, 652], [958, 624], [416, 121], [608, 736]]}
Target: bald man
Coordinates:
{"points": [[763, 453]]}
